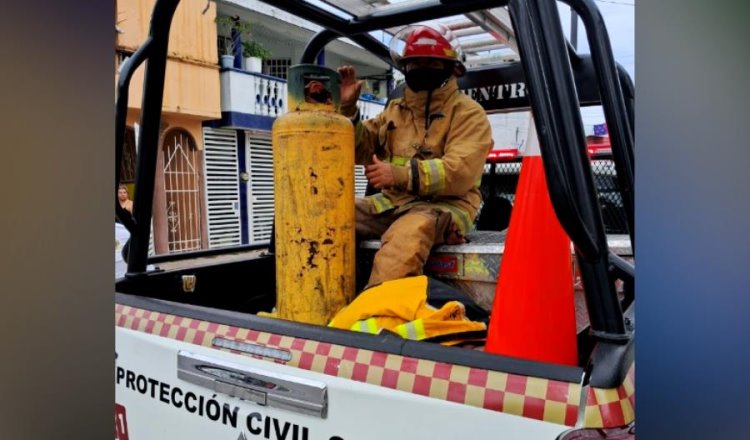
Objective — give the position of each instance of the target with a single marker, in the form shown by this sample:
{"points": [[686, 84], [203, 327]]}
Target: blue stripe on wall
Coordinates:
{"points": [[242, 121], [241, 157]]}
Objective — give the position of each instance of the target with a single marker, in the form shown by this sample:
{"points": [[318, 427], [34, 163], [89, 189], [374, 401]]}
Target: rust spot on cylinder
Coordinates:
{"points": [[312, 252], [327, 241]]}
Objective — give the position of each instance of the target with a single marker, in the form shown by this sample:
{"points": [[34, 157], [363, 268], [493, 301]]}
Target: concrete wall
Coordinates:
{"points": [[171, 120], [191, 87]]}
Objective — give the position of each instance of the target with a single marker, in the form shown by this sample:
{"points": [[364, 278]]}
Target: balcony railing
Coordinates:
{"points": [[257, 94], [252, 93]]}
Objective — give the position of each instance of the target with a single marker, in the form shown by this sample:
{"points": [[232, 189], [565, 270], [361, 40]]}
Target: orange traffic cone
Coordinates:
{"points": [[533, 315]]}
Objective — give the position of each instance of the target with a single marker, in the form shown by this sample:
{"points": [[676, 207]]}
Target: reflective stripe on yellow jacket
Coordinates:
{"points": [[400, 306], [448, 156]]}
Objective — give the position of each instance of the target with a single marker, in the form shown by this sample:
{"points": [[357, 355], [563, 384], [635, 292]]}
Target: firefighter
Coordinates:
{"points": [[425, 153]]}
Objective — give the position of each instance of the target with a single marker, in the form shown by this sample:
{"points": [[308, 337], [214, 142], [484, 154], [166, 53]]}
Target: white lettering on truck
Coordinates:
{"points": [[175, 396], [496, 92], [257, 424]]}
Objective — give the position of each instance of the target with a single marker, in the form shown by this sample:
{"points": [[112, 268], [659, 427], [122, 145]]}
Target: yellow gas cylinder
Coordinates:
{"points": [[313, 148]]}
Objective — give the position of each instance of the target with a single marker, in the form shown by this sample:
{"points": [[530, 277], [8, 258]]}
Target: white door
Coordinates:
{"points": [[260, 187], [222, 187]]}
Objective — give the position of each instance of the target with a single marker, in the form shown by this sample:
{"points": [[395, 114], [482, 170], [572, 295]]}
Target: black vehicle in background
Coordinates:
{"points": [[500, 180]]}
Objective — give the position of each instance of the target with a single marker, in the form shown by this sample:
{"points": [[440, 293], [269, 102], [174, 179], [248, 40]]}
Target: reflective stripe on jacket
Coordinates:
{"points": [[400, 306]]}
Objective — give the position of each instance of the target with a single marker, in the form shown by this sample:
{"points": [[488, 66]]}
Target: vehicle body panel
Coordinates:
{"points": [[611, 407], [395, 394]]}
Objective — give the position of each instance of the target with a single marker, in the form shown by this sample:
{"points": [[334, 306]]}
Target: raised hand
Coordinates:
{"points": [[350, 89]]}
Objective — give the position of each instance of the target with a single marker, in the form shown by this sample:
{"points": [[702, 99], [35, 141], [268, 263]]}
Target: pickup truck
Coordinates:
{"points": [[199, 356]]}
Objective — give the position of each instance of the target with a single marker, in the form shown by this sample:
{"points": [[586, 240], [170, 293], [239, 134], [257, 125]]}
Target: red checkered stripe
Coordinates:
{"points": [[532, 397], [611, 407]]}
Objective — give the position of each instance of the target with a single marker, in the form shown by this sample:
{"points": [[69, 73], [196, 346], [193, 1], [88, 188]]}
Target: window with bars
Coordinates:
{"points": [[277, 67], [182, 184]]}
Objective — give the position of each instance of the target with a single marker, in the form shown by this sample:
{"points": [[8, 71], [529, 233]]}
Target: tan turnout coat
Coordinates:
{"points": [[440, 165]]}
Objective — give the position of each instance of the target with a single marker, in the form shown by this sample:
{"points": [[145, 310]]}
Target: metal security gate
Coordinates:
{"points": [[182, 186], [260, 188], [222, 187], [360, 181]]}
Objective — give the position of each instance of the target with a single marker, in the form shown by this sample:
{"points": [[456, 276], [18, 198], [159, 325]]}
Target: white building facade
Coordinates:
{"points": [[238, 152]]}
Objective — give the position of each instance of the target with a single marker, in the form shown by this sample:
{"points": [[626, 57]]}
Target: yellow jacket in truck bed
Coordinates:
{"points": [[401, 306]]}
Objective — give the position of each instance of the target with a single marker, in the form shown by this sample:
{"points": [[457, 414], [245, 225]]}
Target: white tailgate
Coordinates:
{"points": [[153, 403]]}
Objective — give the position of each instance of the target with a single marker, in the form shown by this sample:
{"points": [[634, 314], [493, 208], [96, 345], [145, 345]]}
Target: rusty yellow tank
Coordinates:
{"points": [[314, 199]]}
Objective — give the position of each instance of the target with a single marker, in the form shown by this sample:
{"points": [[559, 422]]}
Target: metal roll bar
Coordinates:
{"points": [[547, 65], [562, 144], [613, 102], [155, 51]]}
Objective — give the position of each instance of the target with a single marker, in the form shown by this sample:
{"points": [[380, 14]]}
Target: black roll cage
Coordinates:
{"points": [[548, 62]]}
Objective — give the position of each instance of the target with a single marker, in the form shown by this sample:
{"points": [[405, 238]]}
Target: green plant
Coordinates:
{"points": [[232, 28], [253, 48]]}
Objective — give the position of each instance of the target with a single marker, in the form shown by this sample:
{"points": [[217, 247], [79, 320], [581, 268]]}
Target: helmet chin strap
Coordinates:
{"points": [[427, 110]]}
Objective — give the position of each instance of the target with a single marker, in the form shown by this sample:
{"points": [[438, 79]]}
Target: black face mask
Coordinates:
{"points": [[425, 78]]}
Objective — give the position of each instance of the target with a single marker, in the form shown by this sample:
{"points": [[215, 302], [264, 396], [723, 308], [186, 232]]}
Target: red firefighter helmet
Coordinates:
{"points": [[426, 42]]}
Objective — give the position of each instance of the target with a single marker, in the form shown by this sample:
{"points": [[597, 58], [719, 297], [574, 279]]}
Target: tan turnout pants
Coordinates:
{"points": [[406, 238]]}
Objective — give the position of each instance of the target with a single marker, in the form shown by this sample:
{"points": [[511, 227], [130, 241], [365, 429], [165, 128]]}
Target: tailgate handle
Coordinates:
{"points": [[260, 386]]}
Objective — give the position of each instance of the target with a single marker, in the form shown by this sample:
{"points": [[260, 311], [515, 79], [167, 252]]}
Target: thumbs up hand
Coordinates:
{"points": [[380, 174]]}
